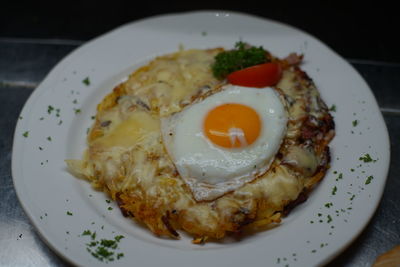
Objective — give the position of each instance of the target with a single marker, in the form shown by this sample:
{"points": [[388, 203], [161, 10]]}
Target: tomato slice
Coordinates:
{"points": [[261, 75]]}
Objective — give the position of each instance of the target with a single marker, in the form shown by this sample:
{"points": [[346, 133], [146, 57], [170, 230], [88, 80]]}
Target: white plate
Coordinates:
{"points": [[312, 234]]}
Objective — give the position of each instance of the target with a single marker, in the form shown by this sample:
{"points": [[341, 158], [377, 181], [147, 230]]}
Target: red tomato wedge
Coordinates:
{"points": [[261, 75]]}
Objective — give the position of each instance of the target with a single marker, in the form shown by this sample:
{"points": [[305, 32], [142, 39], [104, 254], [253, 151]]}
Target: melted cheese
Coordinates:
{"points": [[126, 154], [130, 132], [172, 80]]}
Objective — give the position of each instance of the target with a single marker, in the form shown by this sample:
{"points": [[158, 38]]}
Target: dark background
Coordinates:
{"points": [[355, 29]]}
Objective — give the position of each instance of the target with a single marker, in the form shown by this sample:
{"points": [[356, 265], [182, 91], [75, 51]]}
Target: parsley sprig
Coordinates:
{"points": [[241, 57]]}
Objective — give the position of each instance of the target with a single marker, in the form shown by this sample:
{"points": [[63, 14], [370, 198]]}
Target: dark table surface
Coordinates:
{"points": [[31, 43]]}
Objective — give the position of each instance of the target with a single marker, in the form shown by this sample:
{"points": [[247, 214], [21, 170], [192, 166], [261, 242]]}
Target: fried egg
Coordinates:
{"points": [[225, 140]]}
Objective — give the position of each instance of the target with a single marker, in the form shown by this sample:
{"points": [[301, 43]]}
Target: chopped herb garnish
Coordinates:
{"points": [[119, 237], [109, 243], [41, 118], [334, 190], [40, 148], [367, 158], [77, 110], [333, 108], [86, 81], [108, 201], [50, 109], [104, 253], [329, 219], [241, 57], [87, 232], [204, 33], [355, 123], [92, 244], [69, 213], [328, 205], [75, 101], [110, 208], [369, 179], [105, 249], [49, 138], [25, 134]]}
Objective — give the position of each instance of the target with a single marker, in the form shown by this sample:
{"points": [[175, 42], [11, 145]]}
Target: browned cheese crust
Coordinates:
{"points": [[134, 169]]}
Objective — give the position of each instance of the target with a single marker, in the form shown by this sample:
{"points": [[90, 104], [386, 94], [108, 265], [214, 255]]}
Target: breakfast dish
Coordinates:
{"points": [[180, 146], [86, 228]]}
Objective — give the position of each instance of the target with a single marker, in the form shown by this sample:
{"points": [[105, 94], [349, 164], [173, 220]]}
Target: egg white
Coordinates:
{"points": [[209, 170]]}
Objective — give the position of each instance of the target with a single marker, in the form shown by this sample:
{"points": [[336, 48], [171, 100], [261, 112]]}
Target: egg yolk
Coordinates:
{"points": [[232, 125]]}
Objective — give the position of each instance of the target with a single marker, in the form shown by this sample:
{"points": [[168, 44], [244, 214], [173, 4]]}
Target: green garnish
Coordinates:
{"points": [[25, 134], [333, 108], [369, 179], [334, 190], [86, 232], [105, 249], [109, 243], [69, 213], [355, 123], [340, 176], [86, 81], [239, 58], [50, 109], [119, 237], [367, 158]]}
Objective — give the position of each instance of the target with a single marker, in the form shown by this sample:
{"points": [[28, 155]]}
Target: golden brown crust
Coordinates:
{"points": [[145, 184]]}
